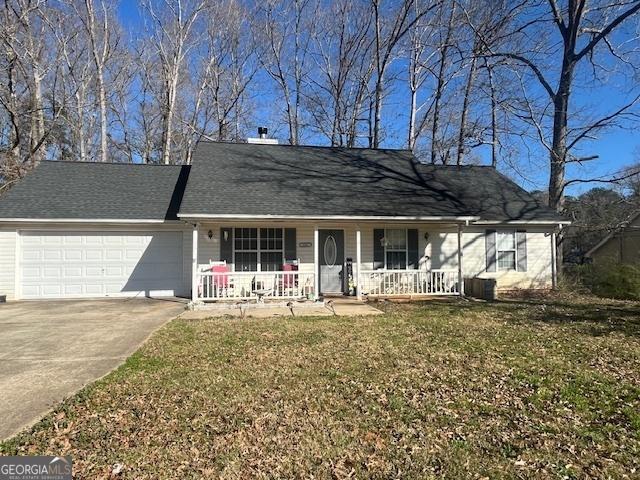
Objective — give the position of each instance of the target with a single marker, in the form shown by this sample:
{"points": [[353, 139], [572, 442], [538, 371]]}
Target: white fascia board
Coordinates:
{"points": [[551, 223], [199, 216]]}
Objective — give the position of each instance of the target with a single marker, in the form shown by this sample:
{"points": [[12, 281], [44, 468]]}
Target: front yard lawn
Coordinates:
{"points": [[439, 389]]}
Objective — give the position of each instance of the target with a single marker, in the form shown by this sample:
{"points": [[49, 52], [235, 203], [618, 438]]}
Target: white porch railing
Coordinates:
{"points": [[254, 285], [409, 282]]}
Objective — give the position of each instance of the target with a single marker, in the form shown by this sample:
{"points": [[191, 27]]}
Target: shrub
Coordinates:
{"points": [[611, 280]]}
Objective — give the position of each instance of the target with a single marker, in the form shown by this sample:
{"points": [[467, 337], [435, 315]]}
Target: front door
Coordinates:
{"points": [[331, 243]]}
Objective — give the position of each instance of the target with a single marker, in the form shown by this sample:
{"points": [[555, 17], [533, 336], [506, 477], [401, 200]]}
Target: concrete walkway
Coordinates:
{"points": [[338, 306], [51, 349]]}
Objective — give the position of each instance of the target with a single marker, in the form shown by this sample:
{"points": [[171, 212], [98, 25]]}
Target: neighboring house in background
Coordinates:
{"points": [[247, 220], [621, 246]]}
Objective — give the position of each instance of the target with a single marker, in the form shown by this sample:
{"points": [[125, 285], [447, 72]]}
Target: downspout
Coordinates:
{"points": [[554, 258]]}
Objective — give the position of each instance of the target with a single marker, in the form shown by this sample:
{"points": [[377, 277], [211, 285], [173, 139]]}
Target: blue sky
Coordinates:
{"points": [[616, 149]]}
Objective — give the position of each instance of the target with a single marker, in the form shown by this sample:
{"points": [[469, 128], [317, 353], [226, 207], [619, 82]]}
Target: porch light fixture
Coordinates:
{"points": [[225, 234], [383, 242], [210, 234]]}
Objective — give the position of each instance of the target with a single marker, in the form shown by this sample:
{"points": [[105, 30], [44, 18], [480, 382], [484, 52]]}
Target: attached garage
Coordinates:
{"points": [[71, 264]]}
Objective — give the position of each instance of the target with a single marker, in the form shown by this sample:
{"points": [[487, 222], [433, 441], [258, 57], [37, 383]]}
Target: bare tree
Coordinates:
{"points": [[338, 92], [585, 30], [172, 36], [390, 27], [100, 34], [32, 93], [287, 29], [227, 69]]}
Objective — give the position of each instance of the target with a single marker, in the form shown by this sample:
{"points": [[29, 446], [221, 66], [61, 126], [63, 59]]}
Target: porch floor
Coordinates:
{"points": [[349, 307]]}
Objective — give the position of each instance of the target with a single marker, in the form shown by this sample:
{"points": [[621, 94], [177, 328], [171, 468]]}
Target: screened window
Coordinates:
{"points": [[506, 250], [258, 250], [395, 241]]}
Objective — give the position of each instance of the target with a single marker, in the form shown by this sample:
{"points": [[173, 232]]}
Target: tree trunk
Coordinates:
{"points": [[440, 88], [558, 154], [102, 98], [167, 132], [465, 108], [37, 122], [82, 142], [411, 142], [99, 60], [494, 120]]}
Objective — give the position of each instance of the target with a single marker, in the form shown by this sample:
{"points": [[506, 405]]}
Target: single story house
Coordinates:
{"points": [[622, 245], [248, 220]]}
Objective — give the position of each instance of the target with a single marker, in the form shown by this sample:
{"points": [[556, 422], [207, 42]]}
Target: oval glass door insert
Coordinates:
{"points": [[330, 251]]}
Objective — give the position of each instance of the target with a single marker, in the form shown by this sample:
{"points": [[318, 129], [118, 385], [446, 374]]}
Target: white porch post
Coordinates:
{"points": [[554, 264], [316, 263], [460, 257], [358, 262], [194, 264]]}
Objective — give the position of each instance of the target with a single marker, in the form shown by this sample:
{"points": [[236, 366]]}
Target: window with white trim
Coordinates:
{"points": [[395, 249], [506, 250], [258, 249], [271, 249]]}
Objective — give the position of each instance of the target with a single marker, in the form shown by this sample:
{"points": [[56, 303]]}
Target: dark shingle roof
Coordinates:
{"points": [[229, 179], [74, 190]]}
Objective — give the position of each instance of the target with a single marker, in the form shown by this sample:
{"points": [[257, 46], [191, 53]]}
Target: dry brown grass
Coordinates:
{"points": [[519, 389]]}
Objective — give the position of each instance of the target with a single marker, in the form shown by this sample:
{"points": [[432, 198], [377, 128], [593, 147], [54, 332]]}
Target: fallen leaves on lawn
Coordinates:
{"points": [[440, 389]]}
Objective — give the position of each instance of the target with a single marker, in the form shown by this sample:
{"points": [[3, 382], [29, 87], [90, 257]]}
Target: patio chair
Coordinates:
{"points": [[289, 280], [221, 283]]}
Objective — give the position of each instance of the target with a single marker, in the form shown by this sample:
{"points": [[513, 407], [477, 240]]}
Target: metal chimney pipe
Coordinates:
{"points": [[262, 132]]}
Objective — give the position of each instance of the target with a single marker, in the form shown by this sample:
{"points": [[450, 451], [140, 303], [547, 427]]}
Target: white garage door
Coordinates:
{"points": [[98, 264]]}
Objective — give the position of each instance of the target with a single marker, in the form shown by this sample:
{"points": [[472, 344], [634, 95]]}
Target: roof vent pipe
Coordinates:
{"points": [[262, 132]]}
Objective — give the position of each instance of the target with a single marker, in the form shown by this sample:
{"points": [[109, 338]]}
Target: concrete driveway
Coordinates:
{"points": [[51, 349]]}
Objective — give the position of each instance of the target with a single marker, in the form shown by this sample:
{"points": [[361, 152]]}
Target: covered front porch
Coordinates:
{"points": [[282, 261]]}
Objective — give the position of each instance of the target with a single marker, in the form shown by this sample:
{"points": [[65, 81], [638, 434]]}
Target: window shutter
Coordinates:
{"points": [[413, 256], [226, 247], [290, 244], [521, 245], [490, 243], [378, 248]]}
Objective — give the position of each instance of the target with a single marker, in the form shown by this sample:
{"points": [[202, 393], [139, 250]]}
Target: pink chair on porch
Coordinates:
{"points": [[289, 280], [221, 282]]}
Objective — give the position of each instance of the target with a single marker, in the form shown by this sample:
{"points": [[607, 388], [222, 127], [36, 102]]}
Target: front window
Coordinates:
{"points": [[258, 250], [246, 249], [395, 241], [506, 250], [271, 250]]}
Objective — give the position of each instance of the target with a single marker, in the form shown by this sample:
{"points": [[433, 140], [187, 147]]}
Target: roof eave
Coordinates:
{"points": [[391, 218]]}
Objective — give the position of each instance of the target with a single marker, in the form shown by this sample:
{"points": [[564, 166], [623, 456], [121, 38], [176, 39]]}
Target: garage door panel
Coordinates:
{"points": [[93, 264], [113, 254], [31, 272], [73, 254], [49, 254], [70, 272], [92, 255], [52, 273], [73, 290]]}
